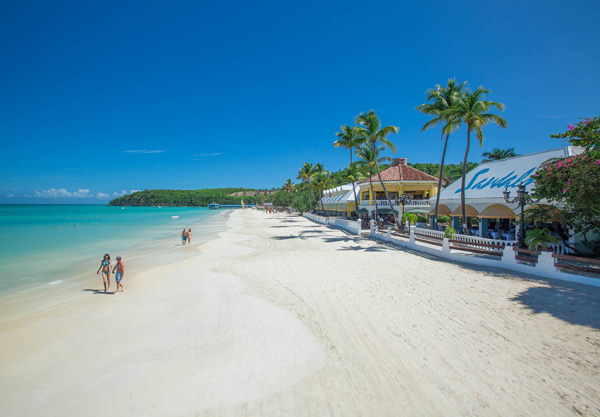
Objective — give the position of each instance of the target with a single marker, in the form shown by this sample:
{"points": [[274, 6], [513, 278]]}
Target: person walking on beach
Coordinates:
{"points": [[183, 237], [105, 266], [189, 236], [120, 267]]}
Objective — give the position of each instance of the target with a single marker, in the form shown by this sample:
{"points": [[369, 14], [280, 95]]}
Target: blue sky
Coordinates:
{"points": [[101, 97]]}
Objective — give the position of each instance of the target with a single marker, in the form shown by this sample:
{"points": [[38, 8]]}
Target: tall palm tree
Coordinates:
{"points": [[370, 128], [321, 181], [305, 173], [497, 154], [442, 99], [472, 110], [349, 138], [288, 186], [367, 160]]}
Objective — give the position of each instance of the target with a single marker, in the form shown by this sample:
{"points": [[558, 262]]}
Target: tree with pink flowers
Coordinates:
{"points": [[573, 183]]}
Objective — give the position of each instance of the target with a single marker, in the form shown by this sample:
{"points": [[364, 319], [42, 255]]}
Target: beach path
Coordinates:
{"points": [[283, 317]]}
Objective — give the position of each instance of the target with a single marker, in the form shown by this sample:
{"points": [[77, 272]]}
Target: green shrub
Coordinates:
{"points": [[449, 232], [444, 219], [412, 218], [421, 219], [539, 237]]}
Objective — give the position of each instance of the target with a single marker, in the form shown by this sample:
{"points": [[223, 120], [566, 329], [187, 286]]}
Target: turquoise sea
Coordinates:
{"points": [[46, 244]]}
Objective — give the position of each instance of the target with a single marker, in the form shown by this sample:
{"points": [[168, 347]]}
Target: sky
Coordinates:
{"points": [[102, 98]]}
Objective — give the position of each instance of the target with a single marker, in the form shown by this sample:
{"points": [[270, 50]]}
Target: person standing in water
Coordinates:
{"points": [[120, 267], [189, 236], [183, 237], [105, 266]]}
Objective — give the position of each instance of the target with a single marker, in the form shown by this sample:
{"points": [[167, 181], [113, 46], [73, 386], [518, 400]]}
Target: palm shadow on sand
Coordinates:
{"points": [[573, 303]]}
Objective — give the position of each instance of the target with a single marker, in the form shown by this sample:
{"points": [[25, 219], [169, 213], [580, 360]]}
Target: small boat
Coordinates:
{"points": [[174, 217], [122, 208], [213, 206]]}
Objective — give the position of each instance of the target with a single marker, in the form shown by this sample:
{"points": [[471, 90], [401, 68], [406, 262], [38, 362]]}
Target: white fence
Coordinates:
{"points": [[545, 266], [352, 226]]}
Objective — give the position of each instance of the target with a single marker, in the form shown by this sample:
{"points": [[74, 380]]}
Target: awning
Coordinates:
{"points": [[384, 210], [418, 210], [442, 210], [363, 210], [497, 211], [471, 212]]}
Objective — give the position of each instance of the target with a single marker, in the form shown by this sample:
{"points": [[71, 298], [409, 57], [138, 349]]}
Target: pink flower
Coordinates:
{"points": [[598, 162], [564, 190]]}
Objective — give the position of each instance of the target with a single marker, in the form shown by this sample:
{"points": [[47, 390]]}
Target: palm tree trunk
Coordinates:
{"points": [[466, 230], [387, 195], [322, 205], [353, 190], [373, 192], [309, 198], [437, 197]]}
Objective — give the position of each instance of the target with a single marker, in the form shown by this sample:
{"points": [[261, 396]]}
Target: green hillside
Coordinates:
{"points": [[192, 198]]}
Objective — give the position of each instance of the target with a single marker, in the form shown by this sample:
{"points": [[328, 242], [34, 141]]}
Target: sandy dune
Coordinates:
{"points": [[283, 317]]}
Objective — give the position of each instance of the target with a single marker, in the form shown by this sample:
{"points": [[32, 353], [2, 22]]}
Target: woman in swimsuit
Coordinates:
{"points": [[189, 236], [105, 266]]}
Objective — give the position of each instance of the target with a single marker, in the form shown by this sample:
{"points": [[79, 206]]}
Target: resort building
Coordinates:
{"points": [[398, 179], [339, 201], [484, 198]]}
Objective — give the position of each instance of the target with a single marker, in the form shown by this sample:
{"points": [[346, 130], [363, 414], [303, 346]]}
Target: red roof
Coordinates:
{"points": [[399, 171]]}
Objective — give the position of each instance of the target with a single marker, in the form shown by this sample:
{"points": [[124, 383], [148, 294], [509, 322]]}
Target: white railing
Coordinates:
{"points": [[385, 203], [429, 232], [482, 241], [545, 266]]}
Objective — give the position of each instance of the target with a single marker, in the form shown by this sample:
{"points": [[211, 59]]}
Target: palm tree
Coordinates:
{"points": [[354, 174], [497, 154], [371, 130], [288, 186], [472, 110], [305, 173], [321, 181], [349, 138], [441, 99], [367, 160]]}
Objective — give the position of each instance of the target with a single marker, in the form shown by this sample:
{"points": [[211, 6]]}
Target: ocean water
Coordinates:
{"points": [[48, 244]]}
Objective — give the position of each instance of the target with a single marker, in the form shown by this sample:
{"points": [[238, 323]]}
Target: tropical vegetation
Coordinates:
{"points": [[498, 154], [441, 100], [572, 182], [473, 110]]}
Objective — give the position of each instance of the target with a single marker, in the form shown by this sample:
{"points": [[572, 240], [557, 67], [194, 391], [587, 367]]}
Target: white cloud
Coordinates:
{"points": [[119, 194], [63, 193], [145, 151], [102, 195], [209, 154], [81, 193], [53, 193], [10, 195], [134, 191]]}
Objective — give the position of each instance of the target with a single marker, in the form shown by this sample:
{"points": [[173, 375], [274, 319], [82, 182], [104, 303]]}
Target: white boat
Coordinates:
{"points": [[174, 217]]}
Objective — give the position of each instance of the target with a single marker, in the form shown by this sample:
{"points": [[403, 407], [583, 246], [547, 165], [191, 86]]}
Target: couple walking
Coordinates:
{"points": [[186, 237], [106, 266]]}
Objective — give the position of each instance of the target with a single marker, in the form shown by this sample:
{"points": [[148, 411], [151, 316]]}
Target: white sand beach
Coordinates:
{"points": [[283, 317]]}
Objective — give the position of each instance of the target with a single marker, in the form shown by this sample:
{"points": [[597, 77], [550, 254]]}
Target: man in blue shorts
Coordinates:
{"points": [[120, 268]]}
